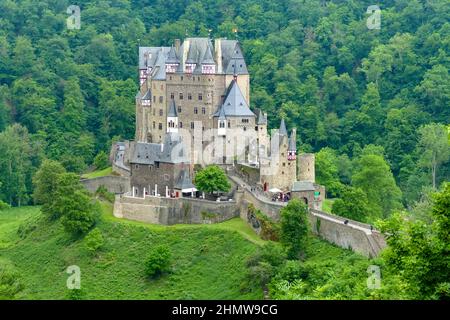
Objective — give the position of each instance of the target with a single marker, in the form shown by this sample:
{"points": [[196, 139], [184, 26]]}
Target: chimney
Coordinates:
{"points": [[177, 45], [218, 54]]}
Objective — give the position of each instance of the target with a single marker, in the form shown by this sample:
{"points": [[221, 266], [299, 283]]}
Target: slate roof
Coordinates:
{"points": [[184, 181], [172, 109], [262, 118], [201, 50], [292, 146], [302, 186], [283, 130], [172, 150], [235, 104], [172, 56], [147, 95]]}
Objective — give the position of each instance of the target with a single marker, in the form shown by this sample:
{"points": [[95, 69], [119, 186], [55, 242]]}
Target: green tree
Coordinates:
{"points": [[212, 179], [419, 252], [73, 204], [294, 227], [101, 160], [158, 261], [45, 182], [327, 173], [352, 204], [73, 117], [373, 175], [16, 165], [433, 148]]}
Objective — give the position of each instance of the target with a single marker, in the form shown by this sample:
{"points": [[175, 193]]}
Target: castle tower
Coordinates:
{"points": [[306, 164], [172, 118], [263, 137], [292, 147], [222, 123]]}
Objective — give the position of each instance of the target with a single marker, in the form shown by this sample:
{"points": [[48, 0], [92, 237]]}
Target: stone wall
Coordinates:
{"points": [[169, 211], [354, 235], [114, 184]]}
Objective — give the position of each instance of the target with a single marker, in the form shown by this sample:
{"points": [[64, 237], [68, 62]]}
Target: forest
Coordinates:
{"points": [[373, 104], [367, 101]]}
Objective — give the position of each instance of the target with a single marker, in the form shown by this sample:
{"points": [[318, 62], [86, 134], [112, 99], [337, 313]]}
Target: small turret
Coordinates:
{"points": [[172, 118], [208, 63], [283, 130], [292, 146], [222, 123]]}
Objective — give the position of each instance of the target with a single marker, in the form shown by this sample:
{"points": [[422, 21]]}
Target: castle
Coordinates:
{"points": [[193, 108]]}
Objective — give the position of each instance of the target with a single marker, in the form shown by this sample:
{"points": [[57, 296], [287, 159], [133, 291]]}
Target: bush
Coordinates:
{"points": [[101, 160], [270, 230], [9, 282], [94, 240], [158, 261], [263, 266], [4, 205], [105, 194]]}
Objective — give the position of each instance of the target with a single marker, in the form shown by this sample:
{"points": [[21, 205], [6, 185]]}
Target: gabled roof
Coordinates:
{"points": [[172, 56], [172, 150], [138, 95], [172, 109], [235, 104]]}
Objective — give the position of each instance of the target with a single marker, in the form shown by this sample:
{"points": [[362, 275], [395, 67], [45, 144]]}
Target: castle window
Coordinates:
{"points": [[189, 96], [229, 124], [192, 125], [221, 124], [153, 111], [284, 164], [172, 96], [154, 125], [136, 166], [160, 112], [195, 110], [180, 124], [245, 128], [179, 109], [200, 96], [161, 99], [204, 110], [160, 126], [170, 78], [181, 78], [181, 95], [157, 164], [154, 98]]}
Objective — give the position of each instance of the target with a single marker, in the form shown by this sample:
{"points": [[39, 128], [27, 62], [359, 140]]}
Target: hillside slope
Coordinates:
{"points": [[208, 262]]}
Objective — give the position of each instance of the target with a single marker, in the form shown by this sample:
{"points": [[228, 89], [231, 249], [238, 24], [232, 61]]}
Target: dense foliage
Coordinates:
{"points": [[212, 179], [341, 84], [294, 227]]}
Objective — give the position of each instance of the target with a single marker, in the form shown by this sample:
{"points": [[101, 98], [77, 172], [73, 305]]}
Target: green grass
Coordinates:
{"points": [[99, 173], [327, 204], [208, 261]]}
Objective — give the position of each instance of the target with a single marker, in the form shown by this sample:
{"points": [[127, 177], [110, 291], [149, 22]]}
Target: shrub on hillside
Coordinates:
{"points": [[4, 205], [158, 261], [105, 194], [9, 282], [264, 265], [94, 240]]}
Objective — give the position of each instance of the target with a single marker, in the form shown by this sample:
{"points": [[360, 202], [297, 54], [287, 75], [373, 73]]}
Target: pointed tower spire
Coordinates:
{"points": [[172, 117], [283, 130]]}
